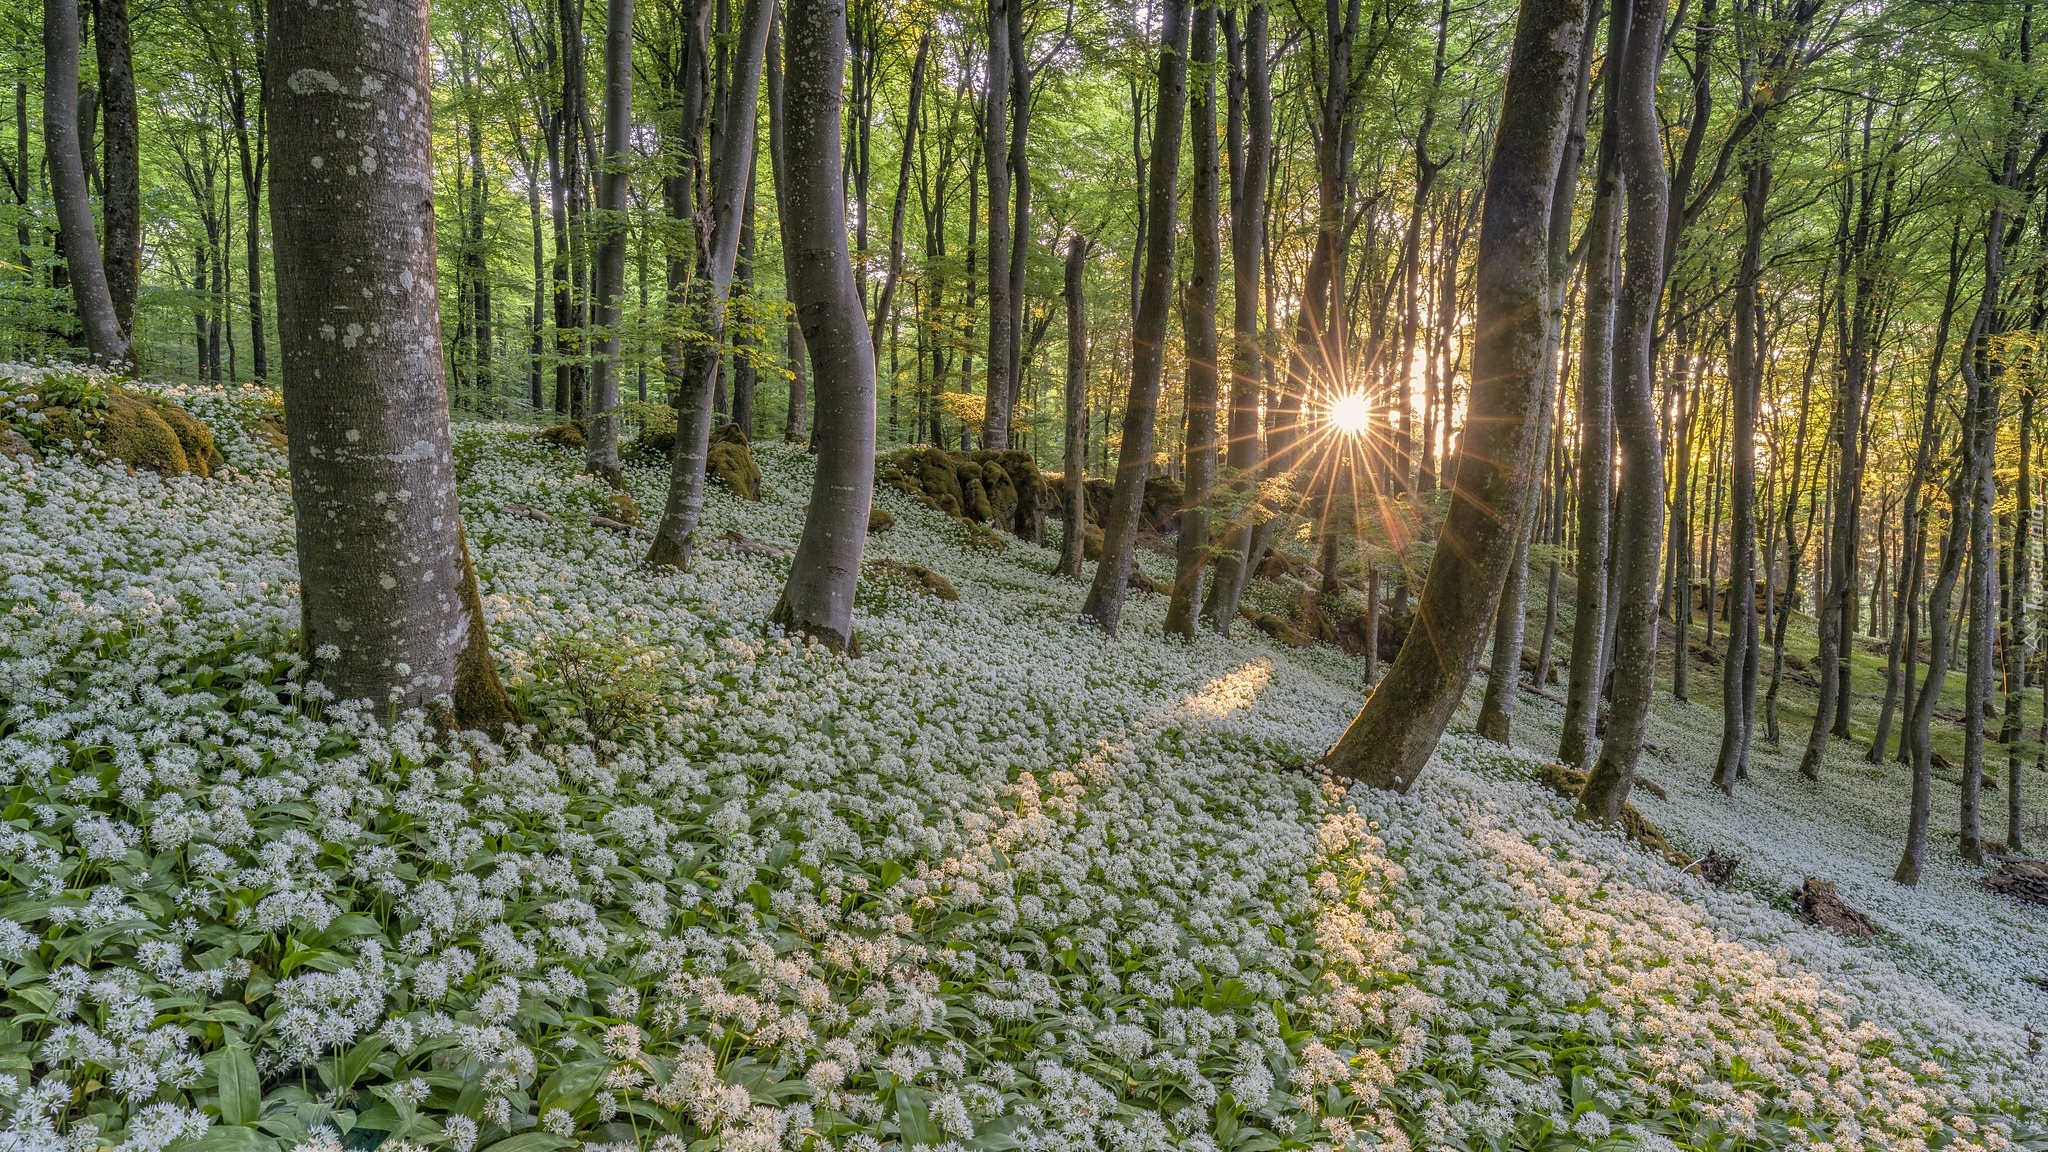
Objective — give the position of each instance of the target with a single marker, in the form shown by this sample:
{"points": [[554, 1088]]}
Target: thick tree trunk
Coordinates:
{"points": [[818, 600], [391, 608], [105, 340], [1073, 483], [731, 171], [121, 172], [1745, 382], [1639, 514], [1198, 336], [996, 161], [1497, 708], [602, 439], [1393, 736], [1105, 603], [1250, 140]]}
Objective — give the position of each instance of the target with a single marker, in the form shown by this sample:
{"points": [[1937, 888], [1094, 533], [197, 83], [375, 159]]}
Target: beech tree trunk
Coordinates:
{"points": [[1198, 336], [995, 143], [731, 169], [1497, 708], [1639, 513], [2016, 631], [602, 441], [886, 302], [1745, 382], [391, 608], [1596, 428], [1249, 137], [1392, 737], [818, 599], [121, 170], [1105, 603], [1073, 483], [105, 341]]}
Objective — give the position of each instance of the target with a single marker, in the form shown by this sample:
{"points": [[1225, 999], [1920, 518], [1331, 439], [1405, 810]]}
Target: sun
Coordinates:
{"points": [[1350, 413]]}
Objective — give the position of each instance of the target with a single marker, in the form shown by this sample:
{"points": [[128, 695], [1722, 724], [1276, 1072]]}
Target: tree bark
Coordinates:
{"points": [[818, 599], [1392, 737], [1073, 483], [105, 341], [392, 612], [912, 110], [1250, 144], [1198, 335], [1105, 601], [1745, 382], [2016, 629], [996, 160], [121, 170], [731, 170], [602, 439], [1639, 513]]}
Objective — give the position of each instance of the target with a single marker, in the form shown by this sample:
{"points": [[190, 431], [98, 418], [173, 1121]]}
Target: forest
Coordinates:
{"points": [[1023, 575]]}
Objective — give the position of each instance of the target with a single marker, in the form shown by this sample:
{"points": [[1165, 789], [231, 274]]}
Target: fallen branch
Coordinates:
{"points": [[620, 526], [527, 512]]}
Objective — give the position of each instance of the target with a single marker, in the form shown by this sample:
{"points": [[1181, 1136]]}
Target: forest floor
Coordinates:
{"points": [[997, 883]]}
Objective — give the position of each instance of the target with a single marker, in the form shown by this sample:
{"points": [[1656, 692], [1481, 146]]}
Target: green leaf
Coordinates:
{"points": [[232, 1138], [241, 1092], [532, 1142], [572, 1084]]}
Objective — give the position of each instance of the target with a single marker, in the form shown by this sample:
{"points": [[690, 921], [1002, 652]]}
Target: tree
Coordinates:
{"points": [[1105, 603], [1198, 335], [996, 160], [391, 608], [1392, 737], [603, 440], [731, 170], [121, 171], [818, 599], [105, 341], [1073, 545]]}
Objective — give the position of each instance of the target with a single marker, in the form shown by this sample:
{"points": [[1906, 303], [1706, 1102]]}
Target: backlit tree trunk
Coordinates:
{"points": [[1397, 730], [1074, 483], [818, 600], [1105, 603], [391, 608], [1745, 382], [1198, 336]]}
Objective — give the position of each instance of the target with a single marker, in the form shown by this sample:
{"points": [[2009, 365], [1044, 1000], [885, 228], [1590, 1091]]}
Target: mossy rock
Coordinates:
{"points": [[1569, 782], [1091, 542], [731, 463], [136, 433], [880, 519], [15, 446], [201, 455], [1002, 495], [937, 477], [568, 435], [1279, 628], [977, 507], [916, 576]]}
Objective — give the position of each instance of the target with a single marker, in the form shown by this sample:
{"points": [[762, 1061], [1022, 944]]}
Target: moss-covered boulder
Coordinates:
{"points": [[1569, 782], [731, 462], [880, 519], [916, 577], [1003, 490], [15, 446], [201, 455], [135, 433], [568, 436]]}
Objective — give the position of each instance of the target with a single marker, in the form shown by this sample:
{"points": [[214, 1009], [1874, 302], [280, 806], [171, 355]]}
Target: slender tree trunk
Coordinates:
{"points": [[1250, 141], [121, 172], [392, 612], [1105, 601], [818, 600], [1397, 730], [1073, 483], [1596, 427], [1639, 514], [744, 377], [731, 170], [912, 111], [1497, 708], [602, 439], [996, 161], [2016, 630], [105, 340], [1198, 335], [1745, 382], [1020, 217]]}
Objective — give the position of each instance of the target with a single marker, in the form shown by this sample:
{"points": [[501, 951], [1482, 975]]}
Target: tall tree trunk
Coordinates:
{"points": [[1073, 483], [121, 172], [996, 160], [392, 612], [2016, 629], [576, 164], [1745, 383], [602, 439], [744, 377], [1105, 603], [1198, 335], [105, 341], [1596, 425], [1250, 140], [1397, 730], [913, 109], [731, 171], [818, 600], [1497, 707], [1639, 513], [796, 422], [1020, 217]]}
